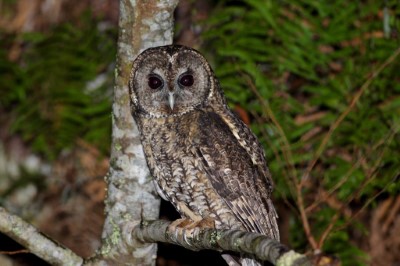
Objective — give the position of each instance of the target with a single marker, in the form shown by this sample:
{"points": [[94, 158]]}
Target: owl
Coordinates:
{"points": [[203, 158]]}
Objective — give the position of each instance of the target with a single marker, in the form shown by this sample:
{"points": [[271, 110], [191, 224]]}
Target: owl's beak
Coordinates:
{"points": [[171, 100]]}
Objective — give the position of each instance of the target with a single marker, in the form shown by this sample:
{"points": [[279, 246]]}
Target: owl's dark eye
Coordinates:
{"points": [[186, 80], [155, 82]]}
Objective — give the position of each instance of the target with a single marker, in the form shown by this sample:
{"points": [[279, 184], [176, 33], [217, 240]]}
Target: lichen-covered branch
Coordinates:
{"points": [[259, 245], [142, 234], [28, 236], [130, 195]]}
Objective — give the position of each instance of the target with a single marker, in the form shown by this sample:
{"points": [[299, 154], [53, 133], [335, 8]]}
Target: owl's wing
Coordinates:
{"points": [[236, 168]]}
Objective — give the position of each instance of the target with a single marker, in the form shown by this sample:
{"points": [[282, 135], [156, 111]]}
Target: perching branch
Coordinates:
{"points": [[261, 246], [28, 236], [147, 232]]}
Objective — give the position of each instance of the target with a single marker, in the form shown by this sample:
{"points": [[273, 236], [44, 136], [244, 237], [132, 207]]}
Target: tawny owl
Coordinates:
{"points": [[204, 159]]}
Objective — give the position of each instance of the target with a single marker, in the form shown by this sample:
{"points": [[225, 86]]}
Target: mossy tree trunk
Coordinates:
{"points": [[131, 196]]}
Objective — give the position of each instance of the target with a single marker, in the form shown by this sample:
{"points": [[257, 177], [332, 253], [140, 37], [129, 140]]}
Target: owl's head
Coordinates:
{"points": [[169, 81]]}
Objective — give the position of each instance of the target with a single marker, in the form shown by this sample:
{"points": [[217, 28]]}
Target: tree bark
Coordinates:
{"points": [[131, 196], [258, 245]]}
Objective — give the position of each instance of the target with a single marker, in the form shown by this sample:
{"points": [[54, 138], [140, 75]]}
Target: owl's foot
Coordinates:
{"points": [[186, 229], [206, 222], [179, 223], [189, 213], [188, 224], [193, 220]]}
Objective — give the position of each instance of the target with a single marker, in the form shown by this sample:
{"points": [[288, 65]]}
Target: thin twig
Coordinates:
{"points": [[327, 231], [373, 171], [267, 138], [15, 252], [287, 152], [346, 177], [289, 158], [396, 176], [285, 174], [28, 236], [353, 102], [354, 195], [387, 139], [304, 218]]}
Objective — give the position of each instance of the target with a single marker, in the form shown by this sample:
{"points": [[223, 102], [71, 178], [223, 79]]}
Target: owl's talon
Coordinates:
{"points": [[177, 226], [184, 223], [181, 223], [186, 229], [206, 222]]}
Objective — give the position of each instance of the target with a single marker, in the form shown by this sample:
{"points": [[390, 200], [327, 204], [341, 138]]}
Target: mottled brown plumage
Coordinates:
{"points": [[204, 159]]}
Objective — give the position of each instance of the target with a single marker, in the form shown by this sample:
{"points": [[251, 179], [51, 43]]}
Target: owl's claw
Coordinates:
{"points": [[179, 223], [176, 228], [206, 222], [189, 213], [185, 223], [186, 229]]}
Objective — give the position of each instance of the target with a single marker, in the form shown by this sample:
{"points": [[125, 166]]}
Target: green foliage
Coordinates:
{"points": [[296, 66], [350, 254], [48, 91]]}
